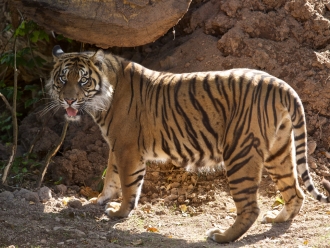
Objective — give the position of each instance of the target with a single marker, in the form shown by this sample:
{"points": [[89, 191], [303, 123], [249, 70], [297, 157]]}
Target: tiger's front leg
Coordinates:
{"points": [[112, 187], [131, 171]]}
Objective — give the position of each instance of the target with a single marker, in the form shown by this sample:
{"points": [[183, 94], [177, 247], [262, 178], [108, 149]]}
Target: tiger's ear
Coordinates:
{"points": [[98, 59], [57, 52]]}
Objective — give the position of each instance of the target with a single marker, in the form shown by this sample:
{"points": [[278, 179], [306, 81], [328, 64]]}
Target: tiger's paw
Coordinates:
{"points": [[113, 209], [270, 217], [217, 235], [101, 199]]}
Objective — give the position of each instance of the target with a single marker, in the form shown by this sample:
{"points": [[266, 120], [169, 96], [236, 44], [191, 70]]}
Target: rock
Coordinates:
{"points": [[6, 196], [106, 23], [45, 194], [79, 233], [28, 195], [61, 188], [74, 203], [311, 147], [327, 154], [170, 198], [313, 165]]}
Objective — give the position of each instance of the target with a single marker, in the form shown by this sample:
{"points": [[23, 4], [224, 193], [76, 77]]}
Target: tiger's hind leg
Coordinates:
{"points": [[244, 177], [282, 170]]}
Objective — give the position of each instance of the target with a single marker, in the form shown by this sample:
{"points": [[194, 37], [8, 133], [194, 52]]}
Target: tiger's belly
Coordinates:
{"points": [[198, 162]]}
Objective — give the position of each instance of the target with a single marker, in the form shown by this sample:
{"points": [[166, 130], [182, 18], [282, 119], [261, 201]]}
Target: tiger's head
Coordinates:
{"points": [[78, 83]]}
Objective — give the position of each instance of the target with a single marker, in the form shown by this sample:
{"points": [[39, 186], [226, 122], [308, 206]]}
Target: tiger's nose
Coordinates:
{"points": [[70, 101]]}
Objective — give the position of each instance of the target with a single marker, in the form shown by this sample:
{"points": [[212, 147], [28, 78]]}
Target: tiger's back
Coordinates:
{"points": [[242, 119]]}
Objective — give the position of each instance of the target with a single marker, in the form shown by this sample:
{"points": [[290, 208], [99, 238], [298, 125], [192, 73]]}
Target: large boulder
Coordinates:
{"points": [[106, 23]]}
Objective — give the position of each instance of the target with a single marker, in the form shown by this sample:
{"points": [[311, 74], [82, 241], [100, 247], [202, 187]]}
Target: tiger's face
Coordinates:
{"points": [[77, 83]]}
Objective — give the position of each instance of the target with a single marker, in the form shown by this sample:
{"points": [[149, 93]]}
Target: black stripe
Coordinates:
{"points": [[137, 172], [301, 161], [132, 88], [206, 87], [279, 152], [301, 136], [138, 179], [242, 179], [238, 166], [305, 176]]}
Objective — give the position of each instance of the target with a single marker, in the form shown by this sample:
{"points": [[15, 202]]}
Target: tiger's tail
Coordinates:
{"points": [[296, 111]]}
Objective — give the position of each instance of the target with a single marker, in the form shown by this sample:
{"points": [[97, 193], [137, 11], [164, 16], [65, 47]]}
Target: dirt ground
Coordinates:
{"points": [[288, 39], [68, 219]]}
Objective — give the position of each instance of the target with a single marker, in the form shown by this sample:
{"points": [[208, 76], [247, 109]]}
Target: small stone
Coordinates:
{"points": [[311, 147], [325, 173], [43, 241], [175, 185], [79, 233], [6, 195], [181, 199], [171, 198], [61, 188], [155, 174], [154, 195], [160, 212], [313, 165], [174, 191], [56, 228], [187, 65], [28, 195], [327, 154], [45, 194], [200, 58], [75, 203], [190, 187]]}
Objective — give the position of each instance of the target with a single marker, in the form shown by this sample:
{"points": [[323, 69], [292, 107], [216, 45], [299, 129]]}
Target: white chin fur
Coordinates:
{"points": [[72, 118]]}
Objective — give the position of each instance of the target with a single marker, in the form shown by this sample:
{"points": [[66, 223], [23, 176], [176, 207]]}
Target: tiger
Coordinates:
{"points": [[241, 119]]}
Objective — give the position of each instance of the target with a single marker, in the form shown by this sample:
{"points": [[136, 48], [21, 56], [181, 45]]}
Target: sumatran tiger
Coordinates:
{"points": [[242, 119]]}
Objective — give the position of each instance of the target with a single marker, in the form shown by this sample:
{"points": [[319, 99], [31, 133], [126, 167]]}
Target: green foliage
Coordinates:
{"points": [[22, 166], [32, 31], [24, 58]]}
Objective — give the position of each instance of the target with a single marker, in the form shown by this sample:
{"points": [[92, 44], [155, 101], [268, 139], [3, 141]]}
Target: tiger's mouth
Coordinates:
{"points": [[72, 113]]}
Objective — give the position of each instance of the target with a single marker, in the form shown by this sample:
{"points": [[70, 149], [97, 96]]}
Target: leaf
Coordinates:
{"points": [[88, 192], [35, 36], [152, 229], [305, 242], [183, 208], [278, 201], [232, 210], [59, 181]]}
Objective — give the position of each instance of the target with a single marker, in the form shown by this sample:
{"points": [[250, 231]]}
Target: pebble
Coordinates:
{"points": [[311, 147], [6, 196], [45, 194], [55, 228], [75, 203], [43, 241], [327, 154], [61, 188], [187, 65], [170, 198], [27, 195], [79, 233]]}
